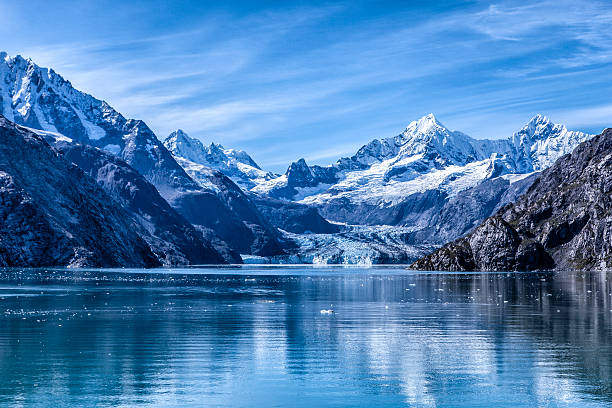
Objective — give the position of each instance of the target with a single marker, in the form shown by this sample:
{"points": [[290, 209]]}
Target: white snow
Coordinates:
{"points": [[57, 136], [112, 148], [236, 164], [95, 132], [200, 173], [428, 156]]}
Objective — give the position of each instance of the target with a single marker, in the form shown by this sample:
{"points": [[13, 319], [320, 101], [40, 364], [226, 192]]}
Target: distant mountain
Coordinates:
{"points": [[53, 214], [562, 222], [41, 99], [416, 177], [236, 164], [425, 156], [200, 160]]}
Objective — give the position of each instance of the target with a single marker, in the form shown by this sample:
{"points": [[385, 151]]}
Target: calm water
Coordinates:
{"points": [[257, 337]]}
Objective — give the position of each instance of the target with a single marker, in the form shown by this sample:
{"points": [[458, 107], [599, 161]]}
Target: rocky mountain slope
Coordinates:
{"points": [[199, 161], [41, 99], [52, 214], [563, 221], [170, 236]]}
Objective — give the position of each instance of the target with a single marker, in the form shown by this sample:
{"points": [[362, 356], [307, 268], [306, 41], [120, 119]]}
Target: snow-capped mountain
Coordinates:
{"points": [[39, 98], [435, 182], [236, 164], [425, 156], [438, 182]]}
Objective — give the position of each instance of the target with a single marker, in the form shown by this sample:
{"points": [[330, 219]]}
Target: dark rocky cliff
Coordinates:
{"points": [[53, 214], [563, 221], [170, 236]]}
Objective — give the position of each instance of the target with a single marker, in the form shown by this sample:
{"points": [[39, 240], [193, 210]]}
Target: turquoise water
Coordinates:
{"points": [[257, 337]]}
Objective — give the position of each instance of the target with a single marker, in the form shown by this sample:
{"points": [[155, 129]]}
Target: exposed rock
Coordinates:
{"points": [[170, 236], [294, 217], [564, 221], [53, 214], [451, 219], [225, 208]]}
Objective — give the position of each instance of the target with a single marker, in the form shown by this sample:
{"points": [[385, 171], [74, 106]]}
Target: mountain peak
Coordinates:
{"points": [[425, 124], [539, 119], [178, 134], [539, 127]]}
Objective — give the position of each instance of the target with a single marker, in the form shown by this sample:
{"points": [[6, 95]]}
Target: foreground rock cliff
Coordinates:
{"points": [[564, 221], [52, 214]]}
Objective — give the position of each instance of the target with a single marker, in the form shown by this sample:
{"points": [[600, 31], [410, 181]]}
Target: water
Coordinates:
{"points": [[257, 337]]}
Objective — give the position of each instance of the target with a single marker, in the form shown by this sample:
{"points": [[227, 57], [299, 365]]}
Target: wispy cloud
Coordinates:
{"points": [[326, 79]]}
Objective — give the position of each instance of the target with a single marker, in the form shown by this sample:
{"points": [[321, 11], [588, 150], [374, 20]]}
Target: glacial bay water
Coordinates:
{"points": [[304, 337]]}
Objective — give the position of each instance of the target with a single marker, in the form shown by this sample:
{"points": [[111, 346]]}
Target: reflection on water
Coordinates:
{"points": [[257, 337]]}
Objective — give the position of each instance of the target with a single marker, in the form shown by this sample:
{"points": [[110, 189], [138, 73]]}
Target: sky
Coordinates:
{"points": [[284, 80]]}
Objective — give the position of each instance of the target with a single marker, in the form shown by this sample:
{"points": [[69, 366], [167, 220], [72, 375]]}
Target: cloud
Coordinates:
{"points": [[590, 117], [328, 79]]}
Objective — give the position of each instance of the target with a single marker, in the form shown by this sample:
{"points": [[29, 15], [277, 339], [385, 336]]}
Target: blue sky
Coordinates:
{"points": [[285, 80]]}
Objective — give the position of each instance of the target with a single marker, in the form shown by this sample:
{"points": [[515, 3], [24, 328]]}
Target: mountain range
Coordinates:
{"points": [[186, 202], [438, 182]]}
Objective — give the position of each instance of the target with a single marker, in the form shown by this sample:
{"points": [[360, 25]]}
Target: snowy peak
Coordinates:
{"points": [[426, 125], [430, 138], [539, 127], [540, 143], [180, 144], [236, 164], [299, 174], [40, 98]]}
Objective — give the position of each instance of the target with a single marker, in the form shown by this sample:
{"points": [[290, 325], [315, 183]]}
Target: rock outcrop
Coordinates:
{"points": [[563, 221], [170, 236], [53, 214]]}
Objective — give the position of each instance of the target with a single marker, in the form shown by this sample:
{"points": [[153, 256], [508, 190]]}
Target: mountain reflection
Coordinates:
{"points": [[107, 338]]}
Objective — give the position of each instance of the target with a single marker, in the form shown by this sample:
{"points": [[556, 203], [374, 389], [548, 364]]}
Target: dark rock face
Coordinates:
{"points": [[301, 175], [493, 246], [564, 221], [439, 219], [228, 211], [294, 217], [53, 214], [464, 212], [170, 236]]}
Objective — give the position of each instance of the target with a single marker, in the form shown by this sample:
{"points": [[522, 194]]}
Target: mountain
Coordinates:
{"points": [[236, 164], [173, 240], [562, 222], [52, 214], [294, 217], [199, 161], [424, 157], [416, 177], [39, 98]]}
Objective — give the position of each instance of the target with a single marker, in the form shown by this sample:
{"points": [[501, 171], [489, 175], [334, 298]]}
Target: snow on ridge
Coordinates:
{"points": [[427, 155], [236, 164]]}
